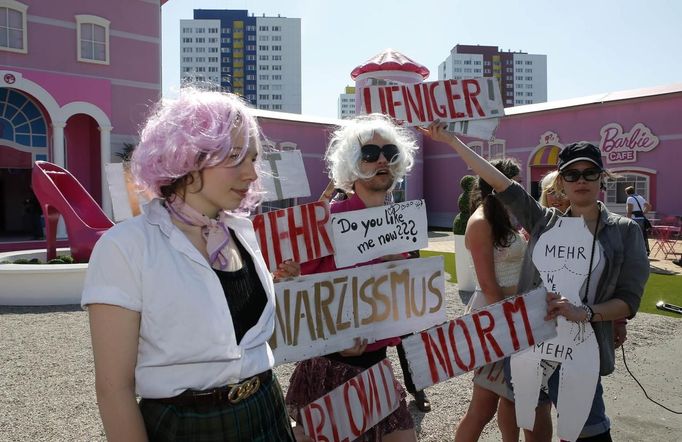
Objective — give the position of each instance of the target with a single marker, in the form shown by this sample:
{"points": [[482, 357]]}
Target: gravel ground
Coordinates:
{"points": [[47, 380]]}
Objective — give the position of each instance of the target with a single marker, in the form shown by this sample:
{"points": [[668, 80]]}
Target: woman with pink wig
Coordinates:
{"points": [[181, 303]]}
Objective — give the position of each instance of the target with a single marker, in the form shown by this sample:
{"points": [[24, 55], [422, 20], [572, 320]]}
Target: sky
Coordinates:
{"points": [[592, 46]]}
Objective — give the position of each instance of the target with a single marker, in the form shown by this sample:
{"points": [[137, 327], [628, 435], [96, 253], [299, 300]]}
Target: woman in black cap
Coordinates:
{"points": [[618, 283]]}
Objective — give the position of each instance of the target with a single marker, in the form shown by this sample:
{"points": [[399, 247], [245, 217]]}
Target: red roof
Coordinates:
{"points": [[390, 60]]}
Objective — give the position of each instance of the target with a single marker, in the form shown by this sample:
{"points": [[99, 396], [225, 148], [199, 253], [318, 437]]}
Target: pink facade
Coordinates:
{"points": [[77, 78], [638, 131]]}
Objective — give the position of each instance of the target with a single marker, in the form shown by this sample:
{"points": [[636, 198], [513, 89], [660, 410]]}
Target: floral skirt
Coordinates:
{"points": [[316, 377]]}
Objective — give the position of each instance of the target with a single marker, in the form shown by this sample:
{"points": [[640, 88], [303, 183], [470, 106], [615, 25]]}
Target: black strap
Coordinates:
{"points": [[640, 206], [589, 273]]}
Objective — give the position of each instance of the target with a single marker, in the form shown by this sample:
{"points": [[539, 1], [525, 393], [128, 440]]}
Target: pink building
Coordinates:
{"points": [[76, 80]]}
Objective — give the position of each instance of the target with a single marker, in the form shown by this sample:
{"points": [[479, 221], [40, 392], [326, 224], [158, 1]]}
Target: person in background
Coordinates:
{"points": [[551, 196], [497, 250], [637, 207], [367, 157], [180, 301], [613, 290]]}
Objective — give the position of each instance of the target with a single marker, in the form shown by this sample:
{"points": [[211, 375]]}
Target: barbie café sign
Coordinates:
{"points": [[622, 147]]}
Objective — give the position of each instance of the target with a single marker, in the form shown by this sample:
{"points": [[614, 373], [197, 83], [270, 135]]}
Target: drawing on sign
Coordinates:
{"points": [[479, 338], [323, 313], [353, 408], [299, 233], [447, 100], [283, 175], [367, 234], [562, 256]]}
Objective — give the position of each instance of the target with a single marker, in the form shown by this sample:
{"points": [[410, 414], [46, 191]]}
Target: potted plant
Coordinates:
{"points": [[466, 280]]}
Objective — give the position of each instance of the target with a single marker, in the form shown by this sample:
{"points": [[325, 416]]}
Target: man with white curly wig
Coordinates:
{"points": [[366, 158]]}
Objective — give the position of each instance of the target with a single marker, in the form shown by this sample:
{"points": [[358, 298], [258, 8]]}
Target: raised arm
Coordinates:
{"points": [[115, 335], [438, 132]]}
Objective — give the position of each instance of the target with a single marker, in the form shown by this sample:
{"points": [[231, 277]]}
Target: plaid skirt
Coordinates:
{"points": [[313, 378], [260, 418]]}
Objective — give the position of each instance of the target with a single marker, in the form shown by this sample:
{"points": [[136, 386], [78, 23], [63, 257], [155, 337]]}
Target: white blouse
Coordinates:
{"points": [[187, 340]]}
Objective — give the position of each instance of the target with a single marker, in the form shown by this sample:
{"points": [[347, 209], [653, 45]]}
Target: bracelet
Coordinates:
{"points": [[588, 311]]}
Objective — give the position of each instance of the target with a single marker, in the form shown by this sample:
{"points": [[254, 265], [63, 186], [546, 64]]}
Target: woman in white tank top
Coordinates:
{"points": [[497, 250]]}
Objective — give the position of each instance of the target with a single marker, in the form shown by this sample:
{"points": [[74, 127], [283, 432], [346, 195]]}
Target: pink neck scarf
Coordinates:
{"points": [[214, 231]]}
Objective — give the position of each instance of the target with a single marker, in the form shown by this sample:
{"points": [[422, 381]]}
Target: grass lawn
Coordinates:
{"points": [[666, 288]]}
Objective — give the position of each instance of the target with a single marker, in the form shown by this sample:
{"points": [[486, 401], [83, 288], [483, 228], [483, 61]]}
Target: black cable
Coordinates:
{"points": [[622, 347]]}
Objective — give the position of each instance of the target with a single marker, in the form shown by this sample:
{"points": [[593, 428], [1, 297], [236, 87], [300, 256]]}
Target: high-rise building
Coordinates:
{"points": [[346, 103], [522, 76], [258, 58]]}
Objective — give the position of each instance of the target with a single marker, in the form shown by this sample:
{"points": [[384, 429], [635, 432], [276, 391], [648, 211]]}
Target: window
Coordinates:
{"points": [[277, 107], [250, 38], [93, 39], [519, 77], [263, 28], [264, 67], [263, 77], [200, 59], [263, 87], [225, 30], [213, 40], [213, 68], [212, 30], [201, 49], [186, 59], [276, 67], [478, 62], [201, 30], [250, 28], [250, 47], [497, 149], [263, 38], [529, 71], [276, 28], [226, 40], [476, 146], [276, 38], [213, 59], [276, 77], [250, 77], [277, 48], [529, 62], [467, 61], [615, 188], [200, 40], [263, 57], [458, 62], [187, 40], [250, 57], [529, 78], [276, 57], [186, 50], [519, 62], [263, 97], [276, 96], [186, 30], [263, 47], [519, 70]]}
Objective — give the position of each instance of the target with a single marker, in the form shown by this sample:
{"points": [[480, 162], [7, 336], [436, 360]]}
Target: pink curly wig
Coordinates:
{"points": [[194, 131]]}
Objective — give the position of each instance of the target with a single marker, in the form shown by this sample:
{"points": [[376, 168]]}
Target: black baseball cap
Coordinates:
{"points": [[580, 151]]}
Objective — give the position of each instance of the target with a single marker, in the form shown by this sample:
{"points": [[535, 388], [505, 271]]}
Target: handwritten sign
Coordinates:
{"points": [[323, 313], [562, 256], [447, 100], [363, 235], [283, 175], [481, 337], [118, 191], [622, 147], [300, 233], [351, 409]]}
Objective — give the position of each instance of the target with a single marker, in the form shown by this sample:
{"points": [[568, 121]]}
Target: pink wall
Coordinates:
{"points": [[522, 132]]}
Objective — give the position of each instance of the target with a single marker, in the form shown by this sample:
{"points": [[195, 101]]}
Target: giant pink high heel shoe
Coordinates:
{"points": [[60, 193]]}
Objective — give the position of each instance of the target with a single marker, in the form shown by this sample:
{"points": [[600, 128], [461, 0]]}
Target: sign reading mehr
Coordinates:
{"points": [[363, 235], [481, 337], [323, 313], [447, 100], [283, 175], [300, 233], [351, 409]]}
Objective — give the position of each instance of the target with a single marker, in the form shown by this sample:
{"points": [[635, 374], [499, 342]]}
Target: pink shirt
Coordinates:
{"points": [[327, 264]]}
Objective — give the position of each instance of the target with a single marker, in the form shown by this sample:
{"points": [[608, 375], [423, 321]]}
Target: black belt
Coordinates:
{"points": [[230, 394]]}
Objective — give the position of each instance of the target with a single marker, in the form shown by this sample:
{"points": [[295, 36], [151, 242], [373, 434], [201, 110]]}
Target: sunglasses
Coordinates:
{"points": [[371, 152], [573, 175]]}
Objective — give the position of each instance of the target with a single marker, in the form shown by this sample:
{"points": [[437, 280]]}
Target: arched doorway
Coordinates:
{"points": [[23, 139], [541, 162], [83, 153]]}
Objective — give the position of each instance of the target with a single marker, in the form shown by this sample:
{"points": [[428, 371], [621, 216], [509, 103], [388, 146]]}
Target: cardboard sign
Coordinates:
{"points": [[447, 100], [300, 233], [323, 313], [118, 191], [481, 337], [562, 256], [363, 235], [351, 409], [283, 175]]}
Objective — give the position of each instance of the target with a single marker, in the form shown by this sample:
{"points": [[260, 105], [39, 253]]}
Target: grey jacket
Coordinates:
{"points": [[627, 266]]}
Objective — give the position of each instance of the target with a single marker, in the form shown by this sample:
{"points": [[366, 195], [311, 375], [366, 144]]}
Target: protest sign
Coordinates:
{"points": [[283, 175], [481, 337], [116, 181], [300, 233], [562, 256], [351, 409], [363, 235], [323, 313], [448, 100]]}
